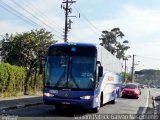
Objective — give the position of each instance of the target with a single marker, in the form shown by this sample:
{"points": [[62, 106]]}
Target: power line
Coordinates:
{"points": [[42, 14], [20, 15], [17, 14], [89, 23], [148, 57], [35, 17]]}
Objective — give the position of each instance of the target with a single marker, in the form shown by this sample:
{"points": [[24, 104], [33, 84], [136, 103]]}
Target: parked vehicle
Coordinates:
{"points": [[141, 86], [131, 90], [152, 86], [158, 86]]}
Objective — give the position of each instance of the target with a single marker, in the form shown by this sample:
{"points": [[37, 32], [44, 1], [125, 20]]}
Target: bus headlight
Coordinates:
{"points": [[86, 97], [48, 94]]}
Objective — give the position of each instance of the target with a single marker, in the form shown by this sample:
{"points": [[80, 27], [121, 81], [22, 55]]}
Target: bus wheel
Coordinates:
{"points": [[58, 107], [113, 101], [101, 100], [96, 110]]}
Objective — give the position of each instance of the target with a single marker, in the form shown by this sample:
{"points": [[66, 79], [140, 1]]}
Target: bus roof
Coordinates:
{"points": [[74, 44], [74, 49]]}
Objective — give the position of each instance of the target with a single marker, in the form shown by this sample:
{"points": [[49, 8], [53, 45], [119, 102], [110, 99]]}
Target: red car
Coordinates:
{"points": [[131, 90]]}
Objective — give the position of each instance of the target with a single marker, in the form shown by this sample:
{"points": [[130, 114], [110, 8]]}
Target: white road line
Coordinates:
{"points": [[147, 104]]}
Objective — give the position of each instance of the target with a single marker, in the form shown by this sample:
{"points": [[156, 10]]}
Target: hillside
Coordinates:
{"points": [[148, 76]]}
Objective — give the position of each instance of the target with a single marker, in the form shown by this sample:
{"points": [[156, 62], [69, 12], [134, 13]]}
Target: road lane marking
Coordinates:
{"points": [[147, 104], [155, 103]]}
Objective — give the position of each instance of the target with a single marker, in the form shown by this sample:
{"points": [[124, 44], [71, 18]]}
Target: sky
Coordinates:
{"points": [[139, 20]]}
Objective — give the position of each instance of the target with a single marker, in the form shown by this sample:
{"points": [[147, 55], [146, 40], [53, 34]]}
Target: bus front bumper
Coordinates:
{"points": [[89, 103]]}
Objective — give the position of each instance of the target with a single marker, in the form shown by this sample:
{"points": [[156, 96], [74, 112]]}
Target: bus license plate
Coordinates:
{"points": [[65, 103]]}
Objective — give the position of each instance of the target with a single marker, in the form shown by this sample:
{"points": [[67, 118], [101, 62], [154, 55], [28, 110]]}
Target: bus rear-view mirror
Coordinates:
{"points": [[100, 71]]}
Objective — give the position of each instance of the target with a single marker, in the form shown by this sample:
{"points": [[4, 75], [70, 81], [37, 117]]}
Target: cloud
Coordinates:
{"points": [[142, 29], [140, 26], [9, 27], [36, 14]]}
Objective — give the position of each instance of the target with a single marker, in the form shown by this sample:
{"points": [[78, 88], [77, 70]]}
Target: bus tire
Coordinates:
{"points": [[101, 100], [96, 110], [58, 107], [113, 101]]}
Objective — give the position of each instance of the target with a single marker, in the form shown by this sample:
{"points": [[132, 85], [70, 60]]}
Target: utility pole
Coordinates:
{"points": [[68, 22], [132, 72], [125, 66]]}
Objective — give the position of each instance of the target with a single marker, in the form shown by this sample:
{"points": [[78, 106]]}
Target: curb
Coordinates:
{"points": [[19, 106], [153, 102], [154, 106]]}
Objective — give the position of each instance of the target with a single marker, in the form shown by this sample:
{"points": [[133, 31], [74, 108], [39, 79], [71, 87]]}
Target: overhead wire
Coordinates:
{"points": [[87, 21], [157, 59], [17, 14], [32, 23], [42, 14], [36, 18], [91, 26]]}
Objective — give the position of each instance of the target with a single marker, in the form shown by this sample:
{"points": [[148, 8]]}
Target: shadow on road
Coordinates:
{"points": [[156, 105], [46, 111], [148, 113], [22, 101], [70, 112]]}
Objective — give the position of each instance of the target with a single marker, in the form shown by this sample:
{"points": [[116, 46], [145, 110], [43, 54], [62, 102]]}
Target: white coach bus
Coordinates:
{"points": [[81, 75]]}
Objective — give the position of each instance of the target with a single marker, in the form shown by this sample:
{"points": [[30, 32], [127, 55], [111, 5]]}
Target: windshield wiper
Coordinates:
{"points": [[60, 79], [73, 79]]}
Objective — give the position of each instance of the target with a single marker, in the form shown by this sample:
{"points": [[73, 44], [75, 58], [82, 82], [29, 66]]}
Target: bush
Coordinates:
{"points": [[12, 80]]}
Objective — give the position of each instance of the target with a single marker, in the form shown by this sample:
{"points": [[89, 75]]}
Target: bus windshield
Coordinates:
{"points": [[73, 72]]}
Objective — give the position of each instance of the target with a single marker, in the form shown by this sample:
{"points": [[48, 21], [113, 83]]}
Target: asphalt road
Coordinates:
{"points": [[19, 102], [155, 93], [42, 112]]}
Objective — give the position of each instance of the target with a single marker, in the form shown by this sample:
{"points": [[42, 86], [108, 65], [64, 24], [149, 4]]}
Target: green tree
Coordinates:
{"points": [[121, 48], [26, 49], [111, 41]]}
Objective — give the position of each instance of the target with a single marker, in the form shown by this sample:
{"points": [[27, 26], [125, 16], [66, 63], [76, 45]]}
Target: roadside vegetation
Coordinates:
{"points": [[12, 81], [21, 56]]}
